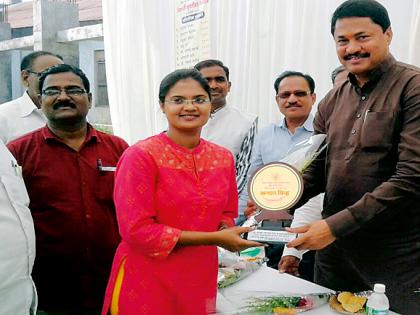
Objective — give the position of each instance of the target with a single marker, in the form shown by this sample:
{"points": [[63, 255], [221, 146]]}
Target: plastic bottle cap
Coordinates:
{"points": [[379, 287]]}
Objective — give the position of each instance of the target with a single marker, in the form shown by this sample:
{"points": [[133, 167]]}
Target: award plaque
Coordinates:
{"points": [[274, 188]]}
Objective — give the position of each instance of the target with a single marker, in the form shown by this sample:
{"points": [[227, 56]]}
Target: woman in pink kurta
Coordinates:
{"points": [[175, 194]]}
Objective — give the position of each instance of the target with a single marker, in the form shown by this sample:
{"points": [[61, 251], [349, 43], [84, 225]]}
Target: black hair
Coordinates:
{"points": [[336, 71], [61, 68], [28, 61], [286, 74], [362, 8], [211, 63], [181, 74]]}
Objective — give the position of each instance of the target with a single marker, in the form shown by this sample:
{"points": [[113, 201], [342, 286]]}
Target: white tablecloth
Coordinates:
{"points": [[231, 299]]}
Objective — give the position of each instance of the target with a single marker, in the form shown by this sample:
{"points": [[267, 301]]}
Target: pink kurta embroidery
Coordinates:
{"points": [[162, 189]]}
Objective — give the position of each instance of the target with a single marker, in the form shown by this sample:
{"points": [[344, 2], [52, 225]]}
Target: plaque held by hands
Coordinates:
{"points": [[277, 187], [274, 188]]}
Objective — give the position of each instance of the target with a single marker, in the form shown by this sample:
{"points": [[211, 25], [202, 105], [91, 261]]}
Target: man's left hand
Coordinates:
{"points": [[315, 235]]}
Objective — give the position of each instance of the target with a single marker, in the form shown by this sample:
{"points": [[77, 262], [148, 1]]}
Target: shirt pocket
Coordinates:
{"points": [[378, 130], [105, 186]]}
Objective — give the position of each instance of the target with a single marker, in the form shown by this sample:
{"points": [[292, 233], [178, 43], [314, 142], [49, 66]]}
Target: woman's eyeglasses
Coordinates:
{"points": [[182, 101]]}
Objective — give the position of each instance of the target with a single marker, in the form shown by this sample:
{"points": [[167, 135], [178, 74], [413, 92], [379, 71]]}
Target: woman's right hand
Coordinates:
{"points": [[231, 239]]}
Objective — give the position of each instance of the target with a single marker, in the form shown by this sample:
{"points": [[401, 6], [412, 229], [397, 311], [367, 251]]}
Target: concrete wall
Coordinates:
{"points": [[87, 64], [5, 61], [49, 18], [17, 87]]}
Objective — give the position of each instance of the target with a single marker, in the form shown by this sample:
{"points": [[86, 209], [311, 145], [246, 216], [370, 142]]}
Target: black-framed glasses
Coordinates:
{"points": [[53, 92], [38, 74], [182, 101], [298, 94]]}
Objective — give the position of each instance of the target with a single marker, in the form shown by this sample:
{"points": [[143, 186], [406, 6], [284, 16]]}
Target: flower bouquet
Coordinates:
{"points": [[284, 304], [234, 267], [304, 153]]}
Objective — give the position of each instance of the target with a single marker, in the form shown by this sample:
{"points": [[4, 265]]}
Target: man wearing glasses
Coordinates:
{"points": [[295, 96], [68, 168], [23, 114]]}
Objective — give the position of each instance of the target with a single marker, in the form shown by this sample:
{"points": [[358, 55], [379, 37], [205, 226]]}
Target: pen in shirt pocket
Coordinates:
{"points": [[102, 168], [16, 168]]}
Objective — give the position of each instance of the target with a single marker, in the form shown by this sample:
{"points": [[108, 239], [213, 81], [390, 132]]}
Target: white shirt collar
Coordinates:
{"points": [[220, 109], [27, 106]]}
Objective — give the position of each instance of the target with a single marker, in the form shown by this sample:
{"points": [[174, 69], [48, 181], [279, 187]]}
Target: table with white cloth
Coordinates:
{"points": [[231, 299]]}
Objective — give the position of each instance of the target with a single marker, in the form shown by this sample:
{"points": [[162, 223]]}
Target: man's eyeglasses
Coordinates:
{"points": [[70, 92], [182, 101], [38, 74], [286, 95]]}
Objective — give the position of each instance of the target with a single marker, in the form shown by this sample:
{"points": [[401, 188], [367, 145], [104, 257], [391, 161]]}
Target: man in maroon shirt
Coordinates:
{"points": [[68, 168]]}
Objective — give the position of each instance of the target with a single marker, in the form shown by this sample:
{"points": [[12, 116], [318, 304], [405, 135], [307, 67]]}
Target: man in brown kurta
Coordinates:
{"points": [[370, 171]]}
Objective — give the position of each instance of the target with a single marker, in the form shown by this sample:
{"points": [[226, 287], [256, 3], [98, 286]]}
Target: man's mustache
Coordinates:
{"points": [[289, 105], [63, 104], [350, 56]]}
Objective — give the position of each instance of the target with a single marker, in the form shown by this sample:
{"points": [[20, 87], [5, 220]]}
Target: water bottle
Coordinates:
{"points": [[377, 303]]}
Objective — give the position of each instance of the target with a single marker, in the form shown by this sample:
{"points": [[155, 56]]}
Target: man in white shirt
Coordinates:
{"points": [[23, 114], [292, 258], [228, 127], [17, 240]]}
